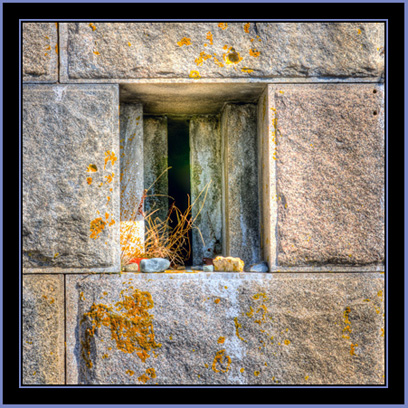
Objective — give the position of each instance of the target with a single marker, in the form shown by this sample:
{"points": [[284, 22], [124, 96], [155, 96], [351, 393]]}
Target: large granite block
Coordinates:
{"points": [[131, 180], [43, 329], [206, 169], [240, 167], [330, 174], [70, 178], [292, 51], [155, 156], [225, 328], [40, 52]]}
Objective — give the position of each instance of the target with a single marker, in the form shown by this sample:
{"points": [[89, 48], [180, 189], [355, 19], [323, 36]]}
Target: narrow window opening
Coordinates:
{"points": [[179, 186]]}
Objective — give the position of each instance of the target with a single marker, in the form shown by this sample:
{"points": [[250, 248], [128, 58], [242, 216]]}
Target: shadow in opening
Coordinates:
{"points": [[179, 174]]}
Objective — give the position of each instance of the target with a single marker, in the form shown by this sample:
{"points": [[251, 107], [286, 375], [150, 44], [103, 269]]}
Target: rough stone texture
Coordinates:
{"points": [[267, 177], [206, 167], [40, 52], [330, 166], [132, 180], [43, 329], [66, 129], [313, 51], [154, 265], [155, 163], [241, 230], [274, 328]]}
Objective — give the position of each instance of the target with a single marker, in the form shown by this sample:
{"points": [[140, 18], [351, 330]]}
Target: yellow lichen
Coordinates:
{"points": [[97, 226], [352, 349], [202, 57], [184, 41], [210, 37], [246, 27], [194, 75], [216, 301], [287, 342], [219, 357], [92, 168], [237, 327], [256, 373], [96, 53], [223, 26], [89, 180], [130, 324], [221, 340], [247, 70], [92, 25], [242, 370], [109, 156], [254, 53], [151, 372]]}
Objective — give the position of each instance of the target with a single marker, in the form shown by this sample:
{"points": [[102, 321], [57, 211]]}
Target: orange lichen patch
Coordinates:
{"points": [[194, 75], [111, 223], [247, 70], [151, 372], [217, 61], [237, 327], [256, 373], [246, 27], [307, 377], [89, 180], [203, 57], [382, 332], [81, 296], [92, 25], [110, 156], [287, 342], [48, 48], [380, 293], [129, 44], [97, 226], [56, 48], [216, 301], [251, 312], [358, 31], [184, 41], [109, 178], [92, 168], [223, 26], [352, 349], [258, 295], [96, 53], [254, 53], [144, 378], [221, 358], [130, 324], [56, 255], [242, 370], [105, 356], [221, 340], [108, 198], [231, 56], [210, 37]]}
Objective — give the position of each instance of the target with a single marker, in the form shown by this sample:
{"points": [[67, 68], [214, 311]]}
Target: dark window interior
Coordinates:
{"points": [[179, 161]]}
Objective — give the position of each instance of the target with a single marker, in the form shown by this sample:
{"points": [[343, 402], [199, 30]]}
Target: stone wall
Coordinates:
{"points": [[287, 119]]}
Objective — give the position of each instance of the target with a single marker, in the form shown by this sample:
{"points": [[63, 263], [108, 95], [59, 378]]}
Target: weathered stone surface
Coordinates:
{"points": [[70, 178], [114, 51], [132, 267], [231, 328], [330, 167], [43, 329], [132, 181], [206, 170], [154, 265], [259, 267], [155, 153], [40, 52], [267, 177], [241, 230], [228, 264]]}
